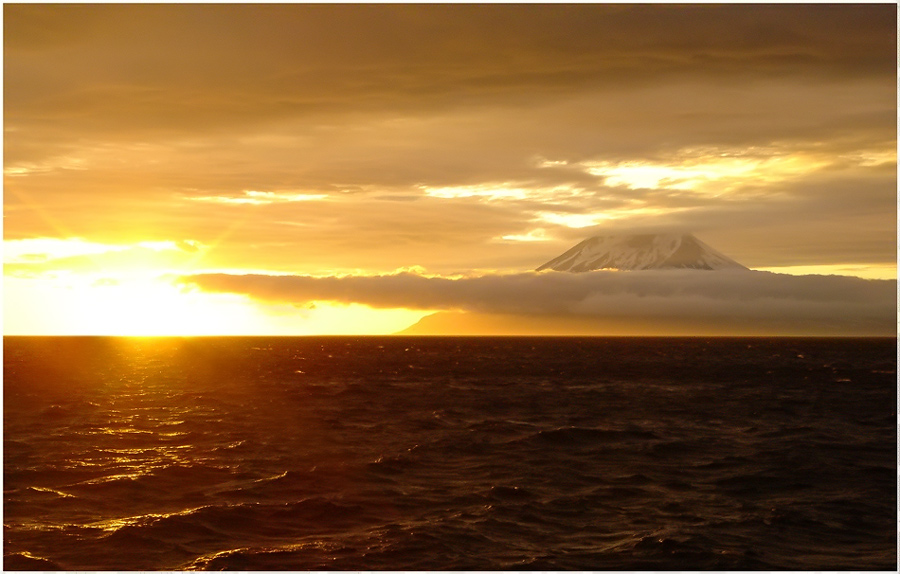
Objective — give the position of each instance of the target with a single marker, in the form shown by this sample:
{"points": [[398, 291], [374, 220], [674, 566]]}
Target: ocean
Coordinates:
{"points": [[406, 453]]}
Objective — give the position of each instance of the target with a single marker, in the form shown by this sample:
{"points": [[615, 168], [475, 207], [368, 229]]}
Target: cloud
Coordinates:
{"points": [[153, 121], [251, 197], [25, 257], [113, 71], [724, 298]]}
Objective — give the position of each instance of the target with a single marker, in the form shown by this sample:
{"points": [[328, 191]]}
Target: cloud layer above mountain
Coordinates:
{"points": [[333, 138], [780, 303]]}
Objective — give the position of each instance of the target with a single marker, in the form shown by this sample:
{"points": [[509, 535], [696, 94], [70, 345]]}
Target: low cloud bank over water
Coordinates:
{"points": [[725, 300]]}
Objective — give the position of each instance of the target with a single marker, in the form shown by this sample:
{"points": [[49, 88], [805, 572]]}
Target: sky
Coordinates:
{"points": [[353, 169]]}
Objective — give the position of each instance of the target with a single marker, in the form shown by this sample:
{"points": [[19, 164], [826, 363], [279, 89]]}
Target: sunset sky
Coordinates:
{"points": [[305, 169]]}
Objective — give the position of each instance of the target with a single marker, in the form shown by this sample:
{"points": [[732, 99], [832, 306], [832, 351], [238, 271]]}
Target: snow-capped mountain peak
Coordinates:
{"points": [[645, 251]]}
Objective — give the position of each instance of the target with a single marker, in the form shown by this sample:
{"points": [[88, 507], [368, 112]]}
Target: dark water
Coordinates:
{"points": [[450, 453]]}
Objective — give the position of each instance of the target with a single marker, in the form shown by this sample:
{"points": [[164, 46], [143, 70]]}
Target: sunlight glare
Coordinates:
{"points": [[144, 304], [133, 305], [48, 248], [691, 172]]}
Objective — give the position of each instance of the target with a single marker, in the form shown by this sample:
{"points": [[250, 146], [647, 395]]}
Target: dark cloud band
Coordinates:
{"points": [[723, 296]]}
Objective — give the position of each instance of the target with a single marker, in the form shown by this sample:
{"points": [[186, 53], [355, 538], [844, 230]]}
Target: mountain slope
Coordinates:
{"points": [[636, 252]]}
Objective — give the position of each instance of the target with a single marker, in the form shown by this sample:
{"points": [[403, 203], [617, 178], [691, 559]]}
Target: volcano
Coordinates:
{"points": [[638, 252]]}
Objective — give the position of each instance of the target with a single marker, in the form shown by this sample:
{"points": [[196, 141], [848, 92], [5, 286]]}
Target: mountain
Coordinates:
{"points": [[455, 323], [645, 251]]}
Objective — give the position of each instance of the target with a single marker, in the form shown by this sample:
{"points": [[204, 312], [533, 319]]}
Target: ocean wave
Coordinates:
{"points": [[14, 561], [573, 436], [489, 454]]}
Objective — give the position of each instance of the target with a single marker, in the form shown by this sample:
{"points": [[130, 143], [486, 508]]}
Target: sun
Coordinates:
{"points": [[153, 307], [72, 286], [147, 304], [134, 304]]}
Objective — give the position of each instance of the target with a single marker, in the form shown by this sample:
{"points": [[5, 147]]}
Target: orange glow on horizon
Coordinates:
{"points": [[73, 286], [55, 286], [146, 305]]}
